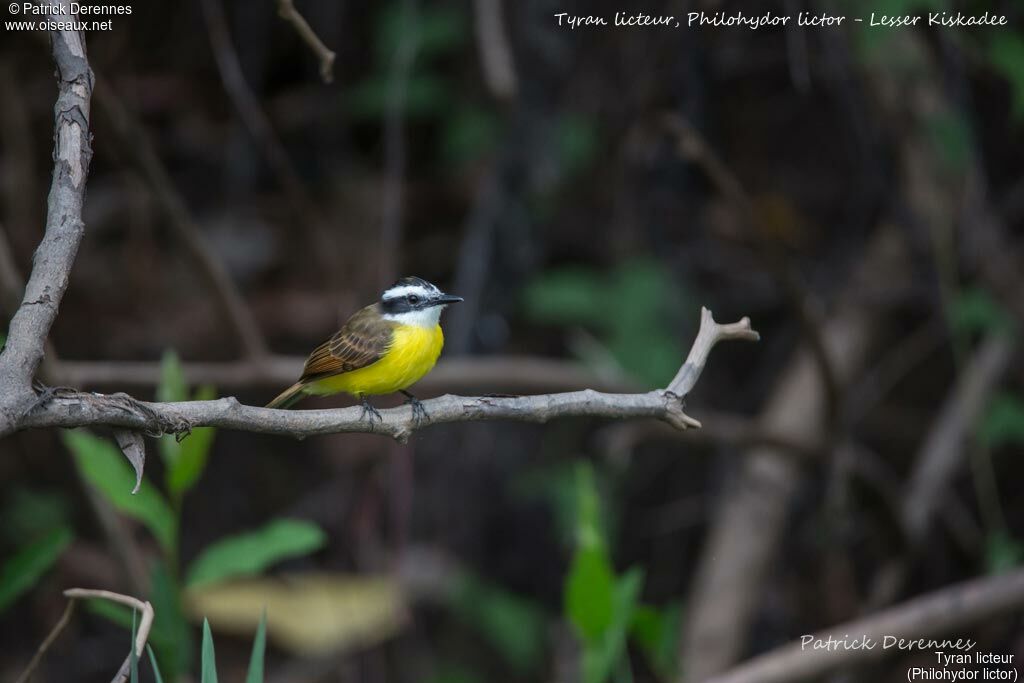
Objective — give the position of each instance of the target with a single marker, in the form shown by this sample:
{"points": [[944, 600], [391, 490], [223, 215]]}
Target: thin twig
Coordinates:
{"points": [[286, 8], [145, 623], [75, 409], [936, 614], [26, 675]]}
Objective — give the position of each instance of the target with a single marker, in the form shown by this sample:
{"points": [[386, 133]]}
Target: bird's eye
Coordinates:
{"points": [[413, 299]]}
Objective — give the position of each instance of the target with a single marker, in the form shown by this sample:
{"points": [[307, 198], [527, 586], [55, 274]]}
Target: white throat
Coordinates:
{"points": [[427, 317]]}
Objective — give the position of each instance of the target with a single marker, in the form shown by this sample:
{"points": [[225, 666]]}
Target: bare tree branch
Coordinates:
{"points": [[68, 408], [933, 615], [286, 8], [55, 255]]}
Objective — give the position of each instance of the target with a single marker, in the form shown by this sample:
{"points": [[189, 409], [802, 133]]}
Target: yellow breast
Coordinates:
{"points": [[413, 352]]}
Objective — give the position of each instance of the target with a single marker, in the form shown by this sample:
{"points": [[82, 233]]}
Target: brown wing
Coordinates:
{"points": [[363, 339]]}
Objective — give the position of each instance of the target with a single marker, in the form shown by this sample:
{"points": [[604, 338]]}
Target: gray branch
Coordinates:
{"points": [[66, 408], [56, 253]]}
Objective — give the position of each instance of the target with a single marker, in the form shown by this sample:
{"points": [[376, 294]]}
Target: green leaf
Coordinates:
{"points": [[103, 465], [513, 625], [590, 592], [156, 667], [208, 666], [193, 452], [602, 657], [21, 572], [172, 387], [250, 553], [1007, 54], [656, 632], [1003, 421], [259, 646]]}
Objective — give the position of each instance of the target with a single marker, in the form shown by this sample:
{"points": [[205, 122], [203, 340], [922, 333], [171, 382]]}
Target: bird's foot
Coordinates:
{"points": [[369, 412], [419, 412]]}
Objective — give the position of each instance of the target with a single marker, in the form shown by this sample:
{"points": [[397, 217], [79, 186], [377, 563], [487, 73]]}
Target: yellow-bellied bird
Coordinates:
{"points": [[386, 347]]}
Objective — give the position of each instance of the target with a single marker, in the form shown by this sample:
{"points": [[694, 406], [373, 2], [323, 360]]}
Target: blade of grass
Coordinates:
{"points": [[156, 667], [259, 646], [209, 663]]}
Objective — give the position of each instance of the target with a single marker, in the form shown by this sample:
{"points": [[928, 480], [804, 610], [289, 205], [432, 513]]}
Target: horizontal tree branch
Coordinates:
{"points": [[934, 615], [69, 408]]}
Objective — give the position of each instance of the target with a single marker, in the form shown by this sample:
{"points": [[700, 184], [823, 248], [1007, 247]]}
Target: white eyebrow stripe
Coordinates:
{"points": [[396, 292]]}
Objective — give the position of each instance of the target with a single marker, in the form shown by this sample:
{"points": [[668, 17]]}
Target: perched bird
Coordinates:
{"points": [[386, 347]]}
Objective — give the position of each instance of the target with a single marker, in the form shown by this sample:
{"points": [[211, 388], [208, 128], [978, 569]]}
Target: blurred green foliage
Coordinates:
{"points": [[434, 32], [604, 608], [1006, 52], [19, 573], [1002, 552], [30, 513], [249, 553], [185, 459], [974, 310], [631, 309], [513, 625], [104, 467], [469, 132], [1003, 421]]}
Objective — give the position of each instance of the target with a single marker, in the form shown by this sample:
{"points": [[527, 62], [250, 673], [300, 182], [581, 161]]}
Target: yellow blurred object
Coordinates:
{"points": [[307, 614]]}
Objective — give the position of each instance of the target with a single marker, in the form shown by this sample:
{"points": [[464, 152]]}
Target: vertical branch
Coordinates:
{"points": [[56, 253]]}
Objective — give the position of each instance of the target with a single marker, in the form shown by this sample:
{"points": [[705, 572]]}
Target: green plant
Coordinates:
{"points": [[208, 662], [104, 467], [29, 563], [604, 607]]}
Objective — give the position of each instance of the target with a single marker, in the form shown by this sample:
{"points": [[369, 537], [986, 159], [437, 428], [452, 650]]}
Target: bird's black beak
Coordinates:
{"points": [[446, 299]]}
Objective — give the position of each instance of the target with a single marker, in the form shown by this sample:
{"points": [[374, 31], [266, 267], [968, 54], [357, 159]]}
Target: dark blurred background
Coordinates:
{"points": [[857, 192]]}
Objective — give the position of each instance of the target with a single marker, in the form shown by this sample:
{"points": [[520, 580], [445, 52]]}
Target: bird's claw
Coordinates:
{"points": [[370, 413], [419, 411]]}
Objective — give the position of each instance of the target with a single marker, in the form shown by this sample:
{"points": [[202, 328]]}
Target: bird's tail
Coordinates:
{"points": [[288, 397]]}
